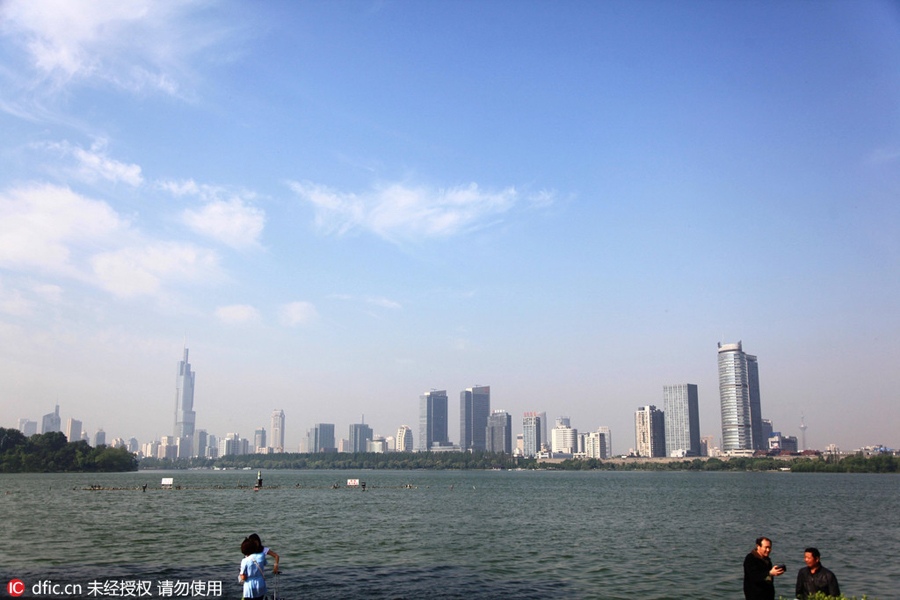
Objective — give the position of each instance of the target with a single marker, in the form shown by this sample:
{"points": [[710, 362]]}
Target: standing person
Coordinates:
{"points": [[252, 570], [266, 551], [759, 574], [814, 577]]}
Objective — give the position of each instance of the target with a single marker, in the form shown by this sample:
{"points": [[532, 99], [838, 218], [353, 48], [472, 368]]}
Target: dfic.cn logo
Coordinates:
{"points": [[15, 587]]}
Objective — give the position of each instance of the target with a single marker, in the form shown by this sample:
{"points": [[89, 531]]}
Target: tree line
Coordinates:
{"points": [[53, 453], [486, 460]]}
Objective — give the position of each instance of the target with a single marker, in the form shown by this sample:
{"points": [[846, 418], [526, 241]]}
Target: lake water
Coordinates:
{"points": [[452, 534]]}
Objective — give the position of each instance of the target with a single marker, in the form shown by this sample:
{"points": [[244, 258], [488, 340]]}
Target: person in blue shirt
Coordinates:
{"points": [[252, 570]]}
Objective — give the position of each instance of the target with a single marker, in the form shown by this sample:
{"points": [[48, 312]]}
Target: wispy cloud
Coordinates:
{"points": [[94, 164], [237, 314], [226, 216], [137, 45], [384, 303], [399, 212], [144, 269], [298, 313]]}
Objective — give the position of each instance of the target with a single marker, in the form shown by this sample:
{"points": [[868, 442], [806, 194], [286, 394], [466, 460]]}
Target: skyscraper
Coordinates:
{"points": [[360, 435], [404, 441], [259, 440], [433, 419], [99, 438], [607, 437], [27, 427], [682, 418], [321, 438], [73, 430], [277, 430], [649, 432], [563, 439], [739, 399], [474, 409], [532, 428], [498, 433], [184, 402], [51, 422]]}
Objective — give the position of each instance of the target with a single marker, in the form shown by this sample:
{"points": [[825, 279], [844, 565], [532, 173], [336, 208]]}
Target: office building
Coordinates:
{"points": [[277, 430], [563, 439], [360, 435], [682, 419], [433, 420], [73, 430], [404, 439], [259, 440], [649, 432], [27, 427], [51, 422], [739, 399], [595, 445], [532, 428], [498, 433], [474, 410], [607, 436], [100, 438], [321, 438]]}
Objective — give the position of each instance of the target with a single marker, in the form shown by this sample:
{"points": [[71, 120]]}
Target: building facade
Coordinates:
{"points": [[649, 432], [51, 422], [433, 420], [532, 429], [739, 399], [681, 408], [184, 400], [277, 430], [498, 433], [73, 430], [360, 436], [321, 438], [404, 442], [474, 410]]}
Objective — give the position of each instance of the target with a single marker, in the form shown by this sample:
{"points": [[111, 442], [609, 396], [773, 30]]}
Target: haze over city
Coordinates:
{"points": [[338, 206]]}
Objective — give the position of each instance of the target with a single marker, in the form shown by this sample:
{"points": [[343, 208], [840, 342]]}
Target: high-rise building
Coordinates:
{"points": [[433, 420], [474, 409], [404, 439], [739, 399], [259, 440], [277, 430], [532, 428], [27, 427], [201, 443], [498, 433], [682, 417], [51, 422], [595, 445], [649, 432], [563, 439], [184, 406], [99, 438], [321, 438], [360, 435], [73, 430], [607, 438]]}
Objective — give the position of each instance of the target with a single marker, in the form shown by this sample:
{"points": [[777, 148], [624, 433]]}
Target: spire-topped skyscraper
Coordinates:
{"points": [[184, 402]]}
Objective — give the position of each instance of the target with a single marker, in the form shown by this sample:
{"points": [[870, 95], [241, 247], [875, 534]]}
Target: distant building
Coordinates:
{"points": [[767, 430], [595, 445], [682, 419], [100, 438], [404, 439], [344, 445], [377, 445], [608, 436], [563, 439], [51, 422], [739, 399], [649, 432], [73, 430], [321, 438], [259, 440], [433, 420], [498, 433], [474, 409], [278, 430], [184, 406], [784, 443], [532, 428], [27, 427], [360, 435]]}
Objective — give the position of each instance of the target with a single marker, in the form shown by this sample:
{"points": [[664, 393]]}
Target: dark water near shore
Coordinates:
{"points": [[454, 534]]}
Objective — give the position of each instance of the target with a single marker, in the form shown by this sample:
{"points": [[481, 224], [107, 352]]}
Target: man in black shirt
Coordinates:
{"points": [[759, 574], [814, 577]]}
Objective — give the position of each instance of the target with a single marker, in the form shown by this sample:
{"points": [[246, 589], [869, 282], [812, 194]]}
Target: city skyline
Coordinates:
{"points": [[337, 206]]}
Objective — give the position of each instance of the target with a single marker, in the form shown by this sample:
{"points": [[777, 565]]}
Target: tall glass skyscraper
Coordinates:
{"points": [[277, 430], [360, 435], [321, 438], [433, 419], [739, 399], [682, 417], [474, 409], [498, 434], [184, 401], [532, 429]]}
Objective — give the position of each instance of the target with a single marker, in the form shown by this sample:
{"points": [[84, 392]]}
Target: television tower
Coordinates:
{"points": [[802, 434]]}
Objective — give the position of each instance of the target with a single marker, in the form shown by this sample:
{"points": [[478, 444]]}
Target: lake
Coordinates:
{"points": [[445, 534]]}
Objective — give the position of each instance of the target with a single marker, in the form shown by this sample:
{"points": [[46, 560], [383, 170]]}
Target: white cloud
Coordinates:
{"points": [[237, 314], [136, 45], [94, 164], [232, 222], [298, 313], [41, 225], [397, 211], [144, 269], [384, 303]]}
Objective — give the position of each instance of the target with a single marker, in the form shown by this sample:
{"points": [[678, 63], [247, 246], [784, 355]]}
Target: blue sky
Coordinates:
{"points": [[341, 205]]}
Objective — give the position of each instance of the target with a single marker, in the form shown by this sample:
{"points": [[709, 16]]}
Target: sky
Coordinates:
{"points": [[339, 206]]}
